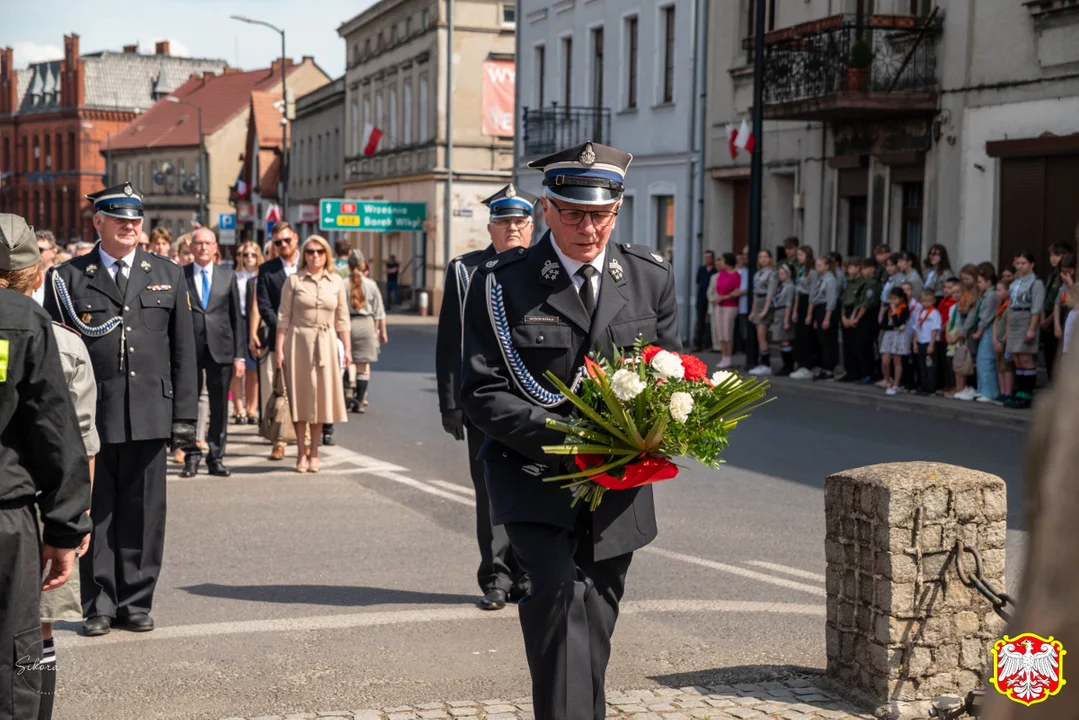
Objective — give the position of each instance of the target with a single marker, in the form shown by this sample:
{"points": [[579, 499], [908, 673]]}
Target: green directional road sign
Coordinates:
{"points": [[371, 216]]}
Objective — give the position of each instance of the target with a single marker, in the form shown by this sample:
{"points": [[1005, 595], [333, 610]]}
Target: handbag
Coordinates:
{"points": [[277, 418], [962, 362]]}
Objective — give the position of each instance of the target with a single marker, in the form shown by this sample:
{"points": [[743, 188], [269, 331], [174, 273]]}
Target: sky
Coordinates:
{"points": [[195, 28]]}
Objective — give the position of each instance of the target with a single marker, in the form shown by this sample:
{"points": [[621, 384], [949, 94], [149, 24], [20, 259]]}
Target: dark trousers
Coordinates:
{"points": [[498, 566], [851, 361], [804, 337], [865, 344], [20, 611], [119, 573], [1050, 345], [827, 339], [217, 378], [927, 368], [568, 618], [392, 293], [741, 335], [702, 335]]}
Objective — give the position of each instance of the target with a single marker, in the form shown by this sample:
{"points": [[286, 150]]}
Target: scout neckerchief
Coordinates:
{"points": [[1003, 308]]}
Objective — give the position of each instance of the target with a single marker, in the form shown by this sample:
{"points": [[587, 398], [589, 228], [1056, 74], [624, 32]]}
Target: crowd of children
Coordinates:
{"points": [[973, 336]]}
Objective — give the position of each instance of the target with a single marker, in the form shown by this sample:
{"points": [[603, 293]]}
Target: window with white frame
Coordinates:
{"points": [[354, 121], [380, 117], [424, 109], [394, 132], [406, 114], [509, 14]]}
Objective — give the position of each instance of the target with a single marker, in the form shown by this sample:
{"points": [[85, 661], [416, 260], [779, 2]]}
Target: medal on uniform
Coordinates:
{"points": [[86, 317], [550, 270], [616, 269]]}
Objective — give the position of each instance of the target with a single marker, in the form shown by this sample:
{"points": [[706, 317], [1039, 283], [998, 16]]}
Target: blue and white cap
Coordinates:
{"points": [[586, 174], [122, 201], [510, 202]]}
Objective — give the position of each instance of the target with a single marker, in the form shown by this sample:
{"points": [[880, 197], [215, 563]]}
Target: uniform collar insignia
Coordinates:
{"points": [[616, 269], [491, 263], [588, 156], [91, 270], [145, 266], [550, 270], [657, 257]]}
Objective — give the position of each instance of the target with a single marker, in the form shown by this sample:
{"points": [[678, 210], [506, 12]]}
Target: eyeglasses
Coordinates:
{"points": [[600, 218], [514, 222], [314, 251], [282, 241]]}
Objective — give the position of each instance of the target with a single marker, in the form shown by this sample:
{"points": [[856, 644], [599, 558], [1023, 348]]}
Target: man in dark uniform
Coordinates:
{"points": [[134, 313], [545, 308], [41, 451], [510, 227]]}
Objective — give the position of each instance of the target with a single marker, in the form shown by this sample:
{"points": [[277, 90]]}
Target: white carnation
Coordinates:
{"points": [[681, 406], [668, 366], [721, 376], [627, 385]]}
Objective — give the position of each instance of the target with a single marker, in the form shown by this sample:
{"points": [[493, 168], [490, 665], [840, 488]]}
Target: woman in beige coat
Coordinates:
{"points": [[312, 316]]}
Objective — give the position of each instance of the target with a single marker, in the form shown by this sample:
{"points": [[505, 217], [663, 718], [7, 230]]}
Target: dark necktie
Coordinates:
{"points": [[587, 292], [121, 279]]}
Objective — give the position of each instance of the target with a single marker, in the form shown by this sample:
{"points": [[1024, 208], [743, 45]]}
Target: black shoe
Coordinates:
{"points": [[239, 419], [520, 590], [136, 622], [217, 468], [96, 625], [1020, 403], [493, 599], [252, 420], [327, 438], [191, 467]]}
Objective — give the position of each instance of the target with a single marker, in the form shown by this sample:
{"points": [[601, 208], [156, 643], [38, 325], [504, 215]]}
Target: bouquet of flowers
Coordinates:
{"points": [[637, 411]]}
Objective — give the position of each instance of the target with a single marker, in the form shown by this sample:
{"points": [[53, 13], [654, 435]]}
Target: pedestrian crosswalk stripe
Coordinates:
{"points": [[735, 570], [787, 570], [454, 487]]}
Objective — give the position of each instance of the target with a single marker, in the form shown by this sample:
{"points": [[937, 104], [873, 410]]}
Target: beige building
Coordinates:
{"points": [[961, 129], [396, 82], [317, 156], [159, 150]]}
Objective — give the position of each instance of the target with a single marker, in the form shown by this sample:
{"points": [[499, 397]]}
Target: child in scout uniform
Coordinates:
{"points": [[894, 345], [985, 313], [927, 327], [805, 281], [1063, 305], [765, 282], [782, 318], [824, 301], [849, 304], [1005, 367], [1027, 294], [866, 323], [1053, 286]]}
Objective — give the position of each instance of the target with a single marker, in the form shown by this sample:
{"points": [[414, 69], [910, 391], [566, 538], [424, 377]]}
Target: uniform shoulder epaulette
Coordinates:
{"points": [[645, 253], [65, 327], [503, 259], [166, 257], [464, 256]]}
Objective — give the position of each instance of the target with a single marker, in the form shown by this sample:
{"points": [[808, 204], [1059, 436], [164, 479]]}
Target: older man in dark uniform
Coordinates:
{"points": [[134, 313], [545, 308], [510, 227]]}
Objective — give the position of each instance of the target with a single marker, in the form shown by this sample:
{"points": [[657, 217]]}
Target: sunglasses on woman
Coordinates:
{"points": [[314, 251]]}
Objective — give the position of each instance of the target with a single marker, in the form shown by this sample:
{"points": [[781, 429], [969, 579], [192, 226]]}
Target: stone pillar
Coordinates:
{"points": [[901, 627]]}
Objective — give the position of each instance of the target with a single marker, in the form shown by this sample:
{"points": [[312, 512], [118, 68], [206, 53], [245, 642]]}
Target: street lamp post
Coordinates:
{"points": [[204, 219], [284, 111]]}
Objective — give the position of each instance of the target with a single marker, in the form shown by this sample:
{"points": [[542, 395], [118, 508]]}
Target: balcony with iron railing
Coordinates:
{"points": [[844, 67], [548, 130]]}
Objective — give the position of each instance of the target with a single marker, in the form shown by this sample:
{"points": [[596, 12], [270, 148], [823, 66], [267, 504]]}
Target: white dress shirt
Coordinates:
{"points": [[110, 262], [572, 266], [290, 270], [199, 272]]}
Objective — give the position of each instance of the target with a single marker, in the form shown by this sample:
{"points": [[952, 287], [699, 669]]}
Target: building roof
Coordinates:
{"points": [[221, 97], [122, 81], [329, 95], [266, 114]]}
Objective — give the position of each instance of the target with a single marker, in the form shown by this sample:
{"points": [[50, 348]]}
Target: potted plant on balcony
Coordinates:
{"points": [[861, 58]]}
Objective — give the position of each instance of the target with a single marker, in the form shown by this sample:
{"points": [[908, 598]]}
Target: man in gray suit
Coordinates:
{"points": [[219, 344], [545, 308]]}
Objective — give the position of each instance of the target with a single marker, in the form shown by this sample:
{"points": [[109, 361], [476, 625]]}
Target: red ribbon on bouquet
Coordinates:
{"points": [[638, 472]]}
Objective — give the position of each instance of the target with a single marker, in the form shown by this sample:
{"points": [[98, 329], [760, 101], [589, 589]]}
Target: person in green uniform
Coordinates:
{"points": [[865, 321], [848, 305]]}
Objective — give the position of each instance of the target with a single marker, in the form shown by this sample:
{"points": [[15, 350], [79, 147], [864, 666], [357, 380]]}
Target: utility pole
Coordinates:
{"points": [[448, 200], [756, 181]]}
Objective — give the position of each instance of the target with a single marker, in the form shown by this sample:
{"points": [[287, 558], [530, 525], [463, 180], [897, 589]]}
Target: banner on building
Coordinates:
{"points": [[499, 77]]}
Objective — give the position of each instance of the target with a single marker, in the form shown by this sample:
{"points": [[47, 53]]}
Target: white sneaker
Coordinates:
{"points": [[983, 399], [724, 363], [801, 374], [965, 395], [763, 370], [891, 391]]}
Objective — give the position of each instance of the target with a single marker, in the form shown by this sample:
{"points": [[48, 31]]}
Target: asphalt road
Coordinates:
{"points": [[354, 588]]}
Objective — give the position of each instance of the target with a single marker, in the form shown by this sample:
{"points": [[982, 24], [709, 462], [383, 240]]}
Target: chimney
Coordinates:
{"points": [[8, 85], [162, 48], [231, 71], [131, 49], [72, 74]]}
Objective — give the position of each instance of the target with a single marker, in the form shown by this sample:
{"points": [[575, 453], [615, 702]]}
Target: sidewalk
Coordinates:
{"points": [[856, 393], [791, 699], [400, 317]]}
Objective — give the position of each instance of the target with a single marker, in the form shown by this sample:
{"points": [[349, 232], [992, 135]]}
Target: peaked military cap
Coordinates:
{"points": [[510, 202], [587, 174], [122, 201]]}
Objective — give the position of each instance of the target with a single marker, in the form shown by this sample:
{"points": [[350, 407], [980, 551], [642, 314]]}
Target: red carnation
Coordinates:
{"points": [[650, 352], [695, 368]]}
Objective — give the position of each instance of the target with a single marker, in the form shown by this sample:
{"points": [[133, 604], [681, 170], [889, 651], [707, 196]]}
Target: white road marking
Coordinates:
{"points": [[380, 618], [453, 487], [405, 480], [735, 570], [787, 570]]}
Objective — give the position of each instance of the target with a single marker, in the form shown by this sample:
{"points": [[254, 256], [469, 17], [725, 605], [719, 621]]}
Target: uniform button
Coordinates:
{"points": [[539, 339], [131, 349], [127, 309], [132, 373], [127, 329]]}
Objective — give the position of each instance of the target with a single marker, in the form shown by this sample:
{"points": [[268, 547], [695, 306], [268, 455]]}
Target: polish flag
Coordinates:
{"points": [[241, 188], [732, 132], [371, 137], [745, 139], [274, 213]]}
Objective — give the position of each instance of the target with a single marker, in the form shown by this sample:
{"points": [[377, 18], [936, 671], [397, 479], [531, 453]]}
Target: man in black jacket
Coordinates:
{"points": [[41, 451], [272, 277], [219, 344], [510, 227], [134, 313], [529, 311]]}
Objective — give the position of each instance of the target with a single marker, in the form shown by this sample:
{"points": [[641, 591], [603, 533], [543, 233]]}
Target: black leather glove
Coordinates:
{"points": [[453, 422], [183, 434]]}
